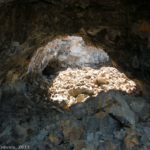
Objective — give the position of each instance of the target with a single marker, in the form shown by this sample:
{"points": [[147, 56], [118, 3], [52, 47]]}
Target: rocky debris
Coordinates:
{"points": [[113, 103], [76, 85], [106, 121], [69, 51]]}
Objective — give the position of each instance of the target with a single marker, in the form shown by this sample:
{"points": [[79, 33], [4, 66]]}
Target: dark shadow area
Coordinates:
{"points": [[52, 68]]}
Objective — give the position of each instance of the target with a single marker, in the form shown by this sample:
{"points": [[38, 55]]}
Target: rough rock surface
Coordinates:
{"points": [[75, 109], [76, 85], [104, 108], [104, 122], [68, 51]]}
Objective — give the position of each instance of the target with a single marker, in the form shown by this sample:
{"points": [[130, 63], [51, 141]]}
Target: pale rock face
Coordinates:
{"points": [[71, 51], [74, 85]]}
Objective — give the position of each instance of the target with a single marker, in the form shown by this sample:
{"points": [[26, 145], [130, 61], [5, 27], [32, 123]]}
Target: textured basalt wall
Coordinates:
{"points": [[121, 25]]}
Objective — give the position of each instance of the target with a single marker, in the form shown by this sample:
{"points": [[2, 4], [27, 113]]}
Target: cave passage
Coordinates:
{"points": [[74, 75]]}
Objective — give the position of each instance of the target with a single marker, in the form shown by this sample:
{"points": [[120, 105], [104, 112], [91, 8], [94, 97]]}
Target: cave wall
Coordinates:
{"points": [[21, 17], [121, 25]]}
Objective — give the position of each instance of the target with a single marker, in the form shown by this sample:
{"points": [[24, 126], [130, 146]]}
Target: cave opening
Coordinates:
{"points": [[52, 68], [76, 103]]}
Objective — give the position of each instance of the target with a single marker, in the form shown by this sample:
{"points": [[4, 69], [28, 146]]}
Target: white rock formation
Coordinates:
{"points": [[69, 51], [76, 85]]}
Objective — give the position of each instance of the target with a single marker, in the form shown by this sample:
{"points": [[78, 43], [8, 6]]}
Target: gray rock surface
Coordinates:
{"points": [[68, 51], [103, 122]]}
